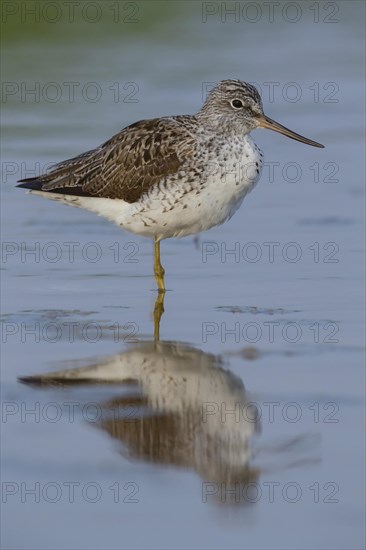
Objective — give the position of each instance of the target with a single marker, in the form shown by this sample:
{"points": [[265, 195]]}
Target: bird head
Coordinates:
{"points": [[237, 105]]}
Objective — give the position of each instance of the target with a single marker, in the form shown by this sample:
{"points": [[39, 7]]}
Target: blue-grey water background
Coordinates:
{"points": [[93, 71]]}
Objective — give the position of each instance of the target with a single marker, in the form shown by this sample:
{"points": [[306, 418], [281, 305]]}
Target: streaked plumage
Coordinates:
{"points": [[172, 176]]}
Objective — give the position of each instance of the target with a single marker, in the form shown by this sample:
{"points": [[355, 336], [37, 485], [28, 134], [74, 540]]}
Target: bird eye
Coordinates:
{"points": [[237, 103]]}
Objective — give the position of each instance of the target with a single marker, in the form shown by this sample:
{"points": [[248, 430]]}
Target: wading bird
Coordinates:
{"points": [[172, 176]]}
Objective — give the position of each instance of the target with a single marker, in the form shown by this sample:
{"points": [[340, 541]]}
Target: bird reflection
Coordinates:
{"points": [[186, 409]]}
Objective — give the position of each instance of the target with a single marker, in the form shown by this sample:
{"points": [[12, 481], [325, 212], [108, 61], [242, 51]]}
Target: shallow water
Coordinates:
{"points": [[246, 427]]}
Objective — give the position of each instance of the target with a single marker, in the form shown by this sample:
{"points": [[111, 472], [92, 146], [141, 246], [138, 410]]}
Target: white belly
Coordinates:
{"points": [[183, 214], [180, 211]]}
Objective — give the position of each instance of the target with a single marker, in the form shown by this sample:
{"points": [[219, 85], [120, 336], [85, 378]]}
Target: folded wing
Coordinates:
{"points": [[126, 166]]}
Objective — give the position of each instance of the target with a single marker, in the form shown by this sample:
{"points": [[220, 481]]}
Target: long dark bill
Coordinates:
{"points": [[266, 122]]}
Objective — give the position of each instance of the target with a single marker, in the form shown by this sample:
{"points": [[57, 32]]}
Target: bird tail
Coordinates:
{"points": [[35, 184]]}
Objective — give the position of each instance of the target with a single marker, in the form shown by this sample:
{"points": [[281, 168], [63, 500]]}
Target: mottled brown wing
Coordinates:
{"points": [[126, 166]]}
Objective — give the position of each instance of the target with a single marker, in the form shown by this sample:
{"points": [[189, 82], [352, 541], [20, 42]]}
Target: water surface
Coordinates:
{"points": [[246, 430]]}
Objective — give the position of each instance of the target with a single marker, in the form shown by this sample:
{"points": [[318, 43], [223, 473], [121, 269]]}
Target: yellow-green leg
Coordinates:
{"points": [[158, 268]]}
